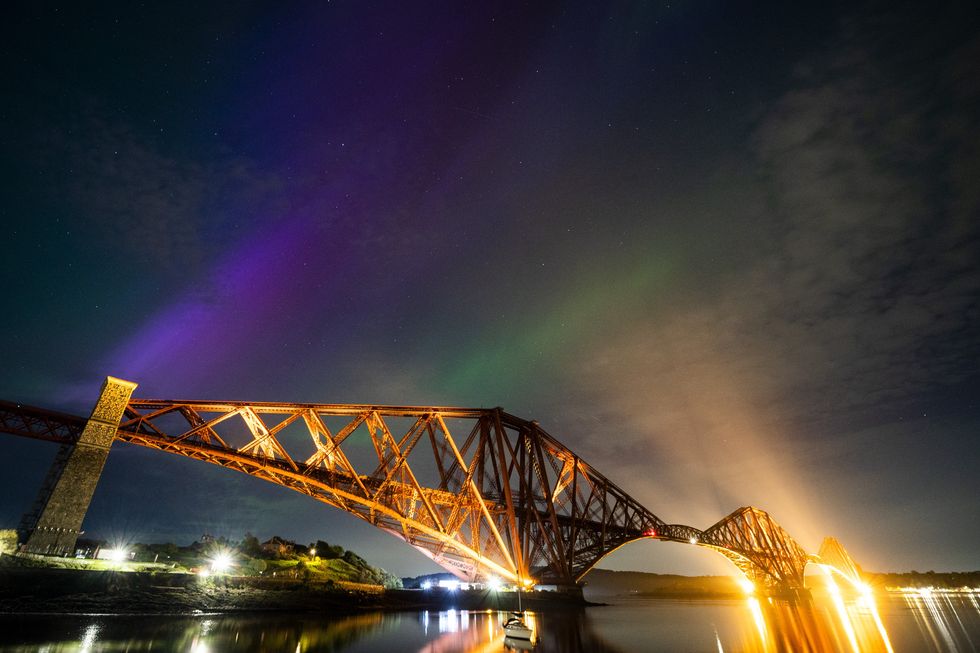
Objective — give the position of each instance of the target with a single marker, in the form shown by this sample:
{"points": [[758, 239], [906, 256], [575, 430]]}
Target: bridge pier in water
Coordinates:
{"points": [[53, 526]]}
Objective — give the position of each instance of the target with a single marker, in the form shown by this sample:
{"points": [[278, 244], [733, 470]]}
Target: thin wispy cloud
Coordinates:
{"points": [[849, 300]]}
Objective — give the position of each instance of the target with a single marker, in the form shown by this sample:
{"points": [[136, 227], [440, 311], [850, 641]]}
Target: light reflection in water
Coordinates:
{"points": [[831, 622], [470, 632], [849, 619], [759, 620], [943, 617], [840, 618], [90, 637]]}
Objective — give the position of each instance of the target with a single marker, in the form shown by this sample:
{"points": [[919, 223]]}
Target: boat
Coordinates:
{"points": [[518, 644], [516, 628]]}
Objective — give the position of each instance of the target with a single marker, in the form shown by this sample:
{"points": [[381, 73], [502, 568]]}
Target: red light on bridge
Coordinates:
{"points": [[650, 533]]}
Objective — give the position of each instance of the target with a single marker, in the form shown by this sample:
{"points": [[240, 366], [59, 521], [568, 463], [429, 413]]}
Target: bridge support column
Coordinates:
{"points": [[54, 524]]}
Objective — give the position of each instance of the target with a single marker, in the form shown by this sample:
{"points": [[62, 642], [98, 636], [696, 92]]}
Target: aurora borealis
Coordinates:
{"points": [[727, 252]]}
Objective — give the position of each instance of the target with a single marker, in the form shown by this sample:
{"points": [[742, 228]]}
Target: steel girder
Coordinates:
{"points": [[502, 498], [40, 423], [833, 555], [759, 547]]}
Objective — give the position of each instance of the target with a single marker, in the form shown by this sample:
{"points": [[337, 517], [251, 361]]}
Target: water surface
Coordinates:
{"points": [[915, 621]]}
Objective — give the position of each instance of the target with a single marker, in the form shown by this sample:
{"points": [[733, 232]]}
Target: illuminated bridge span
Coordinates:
{"points": [[481, 492]]}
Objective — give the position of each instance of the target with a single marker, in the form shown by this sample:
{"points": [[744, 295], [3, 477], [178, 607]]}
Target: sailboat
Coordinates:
{"points": [[515, 627]]}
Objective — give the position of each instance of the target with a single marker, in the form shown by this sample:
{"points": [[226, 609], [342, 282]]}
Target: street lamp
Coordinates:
{"points": [[222, 562]]}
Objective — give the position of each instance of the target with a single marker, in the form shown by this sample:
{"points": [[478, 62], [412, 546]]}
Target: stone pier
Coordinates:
{"points": [[56, 520]]}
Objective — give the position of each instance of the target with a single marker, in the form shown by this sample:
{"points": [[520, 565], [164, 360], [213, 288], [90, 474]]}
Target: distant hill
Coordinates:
{"points": [[604, 582]]}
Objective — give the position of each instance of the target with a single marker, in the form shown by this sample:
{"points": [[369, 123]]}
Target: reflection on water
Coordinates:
{"points": [[946, 620], [836, 620]]}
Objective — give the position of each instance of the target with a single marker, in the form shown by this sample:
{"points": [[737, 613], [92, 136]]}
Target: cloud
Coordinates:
{"points": [[862, 282], [856, 290]]}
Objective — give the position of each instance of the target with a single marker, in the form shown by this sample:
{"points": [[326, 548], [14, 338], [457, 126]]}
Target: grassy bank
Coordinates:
{"points": [[84, 591]]}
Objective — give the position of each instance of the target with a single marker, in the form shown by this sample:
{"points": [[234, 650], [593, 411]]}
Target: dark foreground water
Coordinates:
{"points": [[896, 622]]}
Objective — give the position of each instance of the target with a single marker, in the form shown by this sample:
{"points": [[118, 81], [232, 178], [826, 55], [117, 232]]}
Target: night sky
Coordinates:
{"points": [[727, 252]]}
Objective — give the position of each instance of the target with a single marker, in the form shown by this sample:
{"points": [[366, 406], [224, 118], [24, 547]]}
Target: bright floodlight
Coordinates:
{"points": [[117, 555], [493, 583], [693, 540], [747, 586], [427, 585], [221, 562]]}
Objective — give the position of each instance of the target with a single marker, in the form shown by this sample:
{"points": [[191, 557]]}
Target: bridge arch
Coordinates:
{"points": [[766, 555]]}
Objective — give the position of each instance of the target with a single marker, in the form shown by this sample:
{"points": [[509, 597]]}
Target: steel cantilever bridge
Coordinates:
{"points": [[480, 491]]}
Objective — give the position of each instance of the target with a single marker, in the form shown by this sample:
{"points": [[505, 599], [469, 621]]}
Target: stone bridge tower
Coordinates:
{"points": [[53, 525]]}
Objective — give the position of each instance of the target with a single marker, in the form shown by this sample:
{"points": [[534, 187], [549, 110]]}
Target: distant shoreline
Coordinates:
{"points": [[604, 583], [71, 591]]}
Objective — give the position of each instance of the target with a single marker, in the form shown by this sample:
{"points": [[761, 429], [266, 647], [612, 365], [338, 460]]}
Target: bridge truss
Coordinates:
{"points": [[759, 547], [480, 491]]}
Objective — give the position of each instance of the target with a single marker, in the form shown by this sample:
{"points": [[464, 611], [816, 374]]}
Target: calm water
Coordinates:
{"points": [[912, 622]]}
